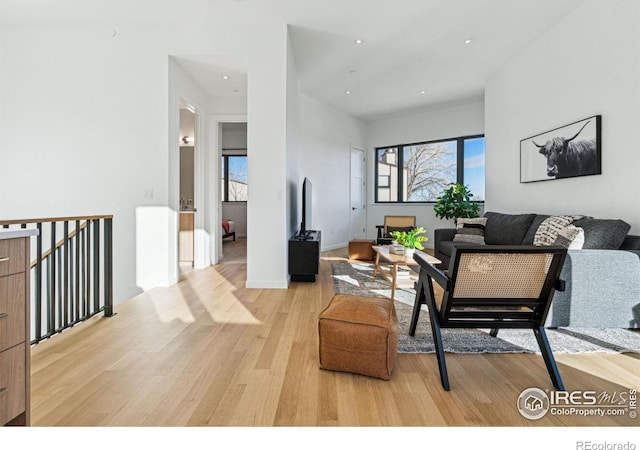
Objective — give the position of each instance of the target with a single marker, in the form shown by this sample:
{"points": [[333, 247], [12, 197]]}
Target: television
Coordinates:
{"points": [[305, 224]]}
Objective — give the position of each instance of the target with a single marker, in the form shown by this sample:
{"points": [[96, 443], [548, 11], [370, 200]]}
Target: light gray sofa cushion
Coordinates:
{"points": [[602, 290]]}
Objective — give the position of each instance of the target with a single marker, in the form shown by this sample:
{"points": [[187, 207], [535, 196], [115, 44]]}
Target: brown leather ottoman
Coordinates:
{"points": [[361, 249], [358, 335]]}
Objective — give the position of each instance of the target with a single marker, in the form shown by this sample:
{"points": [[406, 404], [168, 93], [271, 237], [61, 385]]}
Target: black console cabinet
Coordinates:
{"points": [[304, 256]]}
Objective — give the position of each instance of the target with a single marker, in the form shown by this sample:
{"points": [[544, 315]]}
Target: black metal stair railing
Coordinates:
{"points": [[71, 271]]}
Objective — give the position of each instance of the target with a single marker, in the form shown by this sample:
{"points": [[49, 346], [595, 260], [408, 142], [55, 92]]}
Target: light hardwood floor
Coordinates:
{"points": [[208, 352]]}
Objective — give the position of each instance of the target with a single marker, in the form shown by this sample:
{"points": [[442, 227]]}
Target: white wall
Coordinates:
{"points": [[267, 257], [235, 105], [93, 111], [234, 139], [293, 143], [327, 137], [446, 121], [588, 64]]}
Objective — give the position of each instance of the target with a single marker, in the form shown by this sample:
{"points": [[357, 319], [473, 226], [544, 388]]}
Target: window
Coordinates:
{"points": [[234, 178], [427, 169]]}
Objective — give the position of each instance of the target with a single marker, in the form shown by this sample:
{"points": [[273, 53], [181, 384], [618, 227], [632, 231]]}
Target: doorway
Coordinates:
{"points": [[358, 219], [186, 236], [234, 185]]}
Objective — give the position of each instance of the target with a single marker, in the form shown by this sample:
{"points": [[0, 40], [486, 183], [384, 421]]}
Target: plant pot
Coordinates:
{"points": [[408, 252]]}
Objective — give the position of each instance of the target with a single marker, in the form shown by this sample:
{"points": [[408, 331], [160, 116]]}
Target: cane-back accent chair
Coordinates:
{"points": [[394, 223], [492, 287]]}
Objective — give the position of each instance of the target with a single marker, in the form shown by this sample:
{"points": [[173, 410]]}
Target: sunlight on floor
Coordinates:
{"points": [[182, 300], [170, 307], [333, 258], [593, 364]]}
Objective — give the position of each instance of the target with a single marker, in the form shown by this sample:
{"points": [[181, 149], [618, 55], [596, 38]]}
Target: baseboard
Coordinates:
{"points": [[334, 247], [266, 284]]}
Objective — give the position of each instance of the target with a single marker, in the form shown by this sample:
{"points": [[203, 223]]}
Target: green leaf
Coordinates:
{"points": [[455, 202]]}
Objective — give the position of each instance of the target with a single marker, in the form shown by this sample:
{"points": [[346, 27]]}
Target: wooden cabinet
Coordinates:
{"points": [[14, 331]]}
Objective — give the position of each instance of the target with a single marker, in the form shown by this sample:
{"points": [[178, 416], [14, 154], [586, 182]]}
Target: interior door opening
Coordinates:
{"points": [[186, 243], [234, 186], [358, 217]]}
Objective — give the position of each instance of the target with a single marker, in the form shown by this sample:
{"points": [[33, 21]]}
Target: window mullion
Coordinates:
{"points": [[226, 178], [400, 173], [460, 160]]}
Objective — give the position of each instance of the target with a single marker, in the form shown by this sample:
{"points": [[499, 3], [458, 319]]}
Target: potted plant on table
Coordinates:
{"points": [[456, 202], [410, 240]]}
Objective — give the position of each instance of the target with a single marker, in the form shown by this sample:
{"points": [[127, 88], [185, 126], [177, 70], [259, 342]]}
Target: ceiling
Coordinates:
{"points": [[413, 53]]}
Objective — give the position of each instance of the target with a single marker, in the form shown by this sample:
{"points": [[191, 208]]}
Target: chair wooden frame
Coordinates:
{"points": [[393, 221], [473, 308]]}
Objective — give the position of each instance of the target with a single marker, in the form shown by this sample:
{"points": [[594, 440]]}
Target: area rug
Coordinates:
{"points": [[357, 279]]}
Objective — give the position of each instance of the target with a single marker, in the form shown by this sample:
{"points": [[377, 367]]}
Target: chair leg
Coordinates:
{"points": [[549, 360], [417, 304], [437, 340], [493, 332]]}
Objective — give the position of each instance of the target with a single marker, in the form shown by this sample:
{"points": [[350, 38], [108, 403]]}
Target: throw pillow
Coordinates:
{"points": [[507, 229], [570, 237], [470, 231], [548, 230], [606, 234]]}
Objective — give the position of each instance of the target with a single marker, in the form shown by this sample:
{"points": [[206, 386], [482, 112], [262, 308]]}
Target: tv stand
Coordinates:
{"points": [[304, 256]]}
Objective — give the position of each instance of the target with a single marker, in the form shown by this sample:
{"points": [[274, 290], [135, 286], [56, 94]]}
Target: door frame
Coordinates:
{"points": [[213, 175], [180, 100]]}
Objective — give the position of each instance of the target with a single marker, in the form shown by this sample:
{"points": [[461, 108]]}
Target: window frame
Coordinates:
{"points": [[400, 163]]}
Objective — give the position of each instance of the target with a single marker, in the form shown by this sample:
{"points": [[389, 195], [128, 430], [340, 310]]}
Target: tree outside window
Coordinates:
{"points": [[234, 178]]}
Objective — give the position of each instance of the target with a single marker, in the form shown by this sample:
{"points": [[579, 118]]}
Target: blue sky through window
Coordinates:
{"points": [[238, 168], [474, 167]]}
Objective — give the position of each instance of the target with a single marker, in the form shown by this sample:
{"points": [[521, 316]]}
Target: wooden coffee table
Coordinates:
{"points": [[387, 264]]}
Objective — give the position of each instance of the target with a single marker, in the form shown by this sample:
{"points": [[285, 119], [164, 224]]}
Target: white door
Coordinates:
{"points": [[358, 213]]}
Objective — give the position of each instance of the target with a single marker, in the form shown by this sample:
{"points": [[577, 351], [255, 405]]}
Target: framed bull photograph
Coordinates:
{"points": [[569, 151]]}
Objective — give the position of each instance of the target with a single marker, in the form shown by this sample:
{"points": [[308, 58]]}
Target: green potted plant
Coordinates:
{"points": [[456, 202], [410, 239]]}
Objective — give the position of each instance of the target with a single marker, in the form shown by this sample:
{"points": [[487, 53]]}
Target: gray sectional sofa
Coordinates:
{"points": [[602, 278]]}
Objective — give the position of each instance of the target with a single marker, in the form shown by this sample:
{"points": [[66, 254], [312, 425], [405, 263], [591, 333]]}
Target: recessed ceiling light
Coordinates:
{"points": [[468, 41], [423, 92], [225, 77], [359, 41], [347, 92], [235, 91]]}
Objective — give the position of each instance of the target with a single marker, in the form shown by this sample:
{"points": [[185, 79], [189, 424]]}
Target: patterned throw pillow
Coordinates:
{"points": [[470, 231], [550, 228], [570, 237]]}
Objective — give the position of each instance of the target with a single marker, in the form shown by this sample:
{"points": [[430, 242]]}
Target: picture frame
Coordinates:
{"points": [[572, 150]]}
